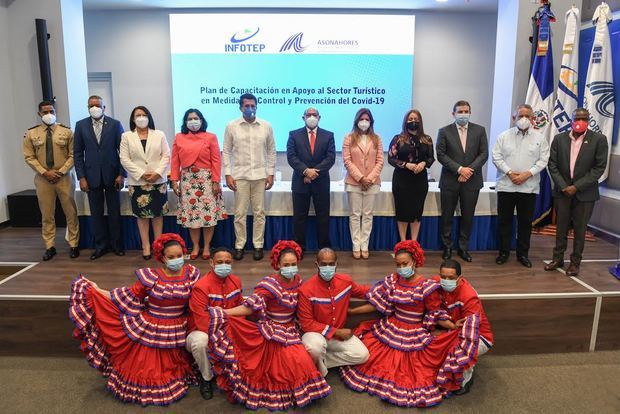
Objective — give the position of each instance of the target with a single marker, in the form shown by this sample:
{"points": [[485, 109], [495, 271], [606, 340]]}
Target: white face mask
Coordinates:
{"points": [[363, 125], [49, 119], [141, 121], [95, 112], [312, 122], [523, 123], [194, 124]]}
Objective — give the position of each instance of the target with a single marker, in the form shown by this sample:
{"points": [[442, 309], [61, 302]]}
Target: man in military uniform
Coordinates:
{"points": [[48, 150]]}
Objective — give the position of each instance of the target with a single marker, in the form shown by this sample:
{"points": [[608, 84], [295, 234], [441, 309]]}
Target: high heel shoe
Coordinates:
{"points": [[193, 256], [147, 256], [206, 254]]}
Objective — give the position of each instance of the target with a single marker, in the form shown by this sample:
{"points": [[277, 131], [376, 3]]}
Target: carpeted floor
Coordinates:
{"points": [[554, 383]]}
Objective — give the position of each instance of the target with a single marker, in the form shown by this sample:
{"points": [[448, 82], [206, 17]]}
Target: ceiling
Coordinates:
{"points": [[445, 5]]}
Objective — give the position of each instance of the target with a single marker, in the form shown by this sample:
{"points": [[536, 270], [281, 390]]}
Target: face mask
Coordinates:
{"points": [[141, 122], [462, 119], [288, 272], [363, 125], [580, 126], [175, 264], [327, 272], [523, 123], [312, 122], [194, 124], [413, 125], [95, 112], [448, 285], [49, 119], [222, 270], [406, 271], [249, 112]]}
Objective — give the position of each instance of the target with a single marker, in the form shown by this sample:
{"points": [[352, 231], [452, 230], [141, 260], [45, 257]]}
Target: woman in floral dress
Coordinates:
{"points": [[195, 177]]}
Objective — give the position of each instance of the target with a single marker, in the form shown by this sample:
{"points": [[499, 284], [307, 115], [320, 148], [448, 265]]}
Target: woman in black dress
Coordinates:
{"points": [[410, 153]]}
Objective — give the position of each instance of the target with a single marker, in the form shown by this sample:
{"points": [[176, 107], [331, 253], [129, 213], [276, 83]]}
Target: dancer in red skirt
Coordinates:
{"points": [[264, 364], [405, 358], [136, 335]]}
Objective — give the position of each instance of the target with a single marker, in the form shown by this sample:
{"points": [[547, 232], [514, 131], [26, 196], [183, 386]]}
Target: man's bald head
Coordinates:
{"points": [[326, 257], [581, 113]]}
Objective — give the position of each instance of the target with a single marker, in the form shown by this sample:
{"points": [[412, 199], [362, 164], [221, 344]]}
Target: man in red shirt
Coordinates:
{"points": [[220, 288], [322, 313], [460, 300]]}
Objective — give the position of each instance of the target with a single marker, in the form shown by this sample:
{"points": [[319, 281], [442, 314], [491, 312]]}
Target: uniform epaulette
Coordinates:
{"points": [[32, 127], [63, 125]]}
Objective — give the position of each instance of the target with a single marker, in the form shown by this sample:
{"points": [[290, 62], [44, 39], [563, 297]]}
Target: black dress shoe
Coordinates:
{"points": [[464, 254], [501, 259], [119, 252], [238, 254], [554, 264], [147, 256], [49, 253], [206, 389], [465, 388], [74, 252], [447, 253], [258, 253], [97, 254], [524, 261]]}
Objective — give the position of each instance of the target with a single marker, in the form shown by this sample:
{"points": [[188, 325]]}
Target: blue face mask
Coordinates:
{"points": [[406, 271], [175, 264], [462, 119], [288, 272], [249, 112], [327, 272], [448, 285], [222, 270]]}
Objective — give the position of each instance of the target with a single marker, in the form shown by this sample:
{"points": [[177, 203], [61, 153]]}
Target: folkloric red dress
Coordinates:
{"points": [[408, 366], [137, 338], [264, 364]]}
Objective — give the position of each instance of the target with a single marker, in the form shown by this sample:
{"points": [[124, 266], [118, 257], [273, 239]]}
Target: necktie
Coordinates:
{"points": [[463, 136], [49, 149], [312, 141], [97, 128]]}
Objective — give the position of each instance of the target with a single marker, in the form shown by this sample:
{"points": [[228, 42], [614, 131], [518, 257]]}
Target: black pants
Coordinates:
{"points": [[106, 236], [525, 204], [570, 210], [449, 199], [301, 205]]}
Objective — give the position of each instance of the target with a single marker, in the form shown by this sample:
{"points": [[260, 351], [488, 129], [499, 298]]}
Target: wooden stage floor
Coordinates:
{"points": [[531, 311]]}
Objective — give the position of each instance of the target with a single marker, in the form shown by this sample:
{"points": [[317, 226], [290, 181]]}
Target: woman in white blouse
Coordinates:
{"points": [[145, 155]]}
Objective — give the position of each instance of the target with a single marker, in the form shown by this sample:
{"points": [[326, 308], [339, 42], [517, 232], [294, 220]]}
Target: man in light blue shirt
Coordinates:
{"points": [[519, 154]]}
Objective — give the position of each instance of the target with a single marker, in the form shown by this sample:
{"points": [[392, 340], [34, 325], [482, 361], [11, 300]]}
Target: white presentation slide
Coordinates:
{"points": [[336, 63]]}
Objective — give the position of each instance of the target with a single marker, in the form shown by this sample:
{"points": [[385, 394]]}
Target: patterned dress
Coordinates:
{"points": [[408, 366], [137, 338], [198, 206], [264, 364]]}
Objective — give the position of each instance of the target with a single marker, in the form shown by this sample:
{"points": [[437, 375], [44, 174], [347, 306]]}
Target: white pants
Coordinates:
{"points": [[252, 192], [197, 343], [334, 353], [360, 221], [482, 349]]}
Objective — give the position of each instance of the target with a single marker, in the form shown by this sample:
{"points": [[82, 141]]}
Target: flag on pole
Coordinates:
{"points": [[599, 96], [540, 97]]}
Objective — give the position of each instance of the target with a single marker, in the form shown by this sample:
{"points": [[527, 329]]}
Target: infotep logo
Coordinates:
{"points": [[238, 42]]}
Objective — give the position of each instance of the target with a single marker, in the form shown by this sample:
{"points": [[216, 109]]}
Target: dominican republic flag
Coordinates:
{"points": [[540, 97], [599, 94]]}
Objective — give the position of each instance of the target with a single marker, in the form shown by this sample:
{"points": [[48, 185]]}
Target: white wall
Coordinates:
{"points": [[8, 136], [135, 47]]}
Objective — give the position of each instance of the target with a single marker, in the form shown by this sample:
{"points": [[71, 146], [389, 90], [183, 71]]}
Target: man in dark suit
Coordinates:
{"points": [[96, 144], [462, 149], [311, 152], [578, 159]]}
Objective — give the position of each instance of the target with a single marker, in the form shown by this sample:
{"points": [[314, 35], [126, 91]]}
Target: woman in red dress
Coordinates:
{"points": [[406, 360], [264, 364], [136, 335]]}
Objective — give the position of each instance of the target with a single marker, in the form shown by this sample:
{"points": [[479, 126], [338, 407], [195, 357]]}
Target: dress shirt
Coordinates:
{"points": [[249, 151], [575, 147], [98, 122], [518, 152]]}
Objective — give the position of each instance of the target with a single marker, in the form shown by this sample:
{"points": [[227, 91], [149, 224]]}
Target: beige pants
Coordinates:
{"points": [[197, 343], [252, 192], [482, 349], [334, 353], [46, 195], [360, 221]]}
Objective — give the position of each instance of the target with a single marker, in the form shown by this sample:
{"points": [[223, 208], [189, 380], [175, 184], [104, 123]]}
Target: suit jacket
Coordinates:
{"points": [[362, 162], [99, 162], [451, 155], [299, 158], [589, 167], [137, 160]]}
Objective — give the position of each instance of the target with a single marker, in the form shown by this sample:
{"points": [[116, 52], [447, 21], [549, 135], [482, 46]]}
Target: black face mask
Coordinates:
{"points": [[413, 125]]}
